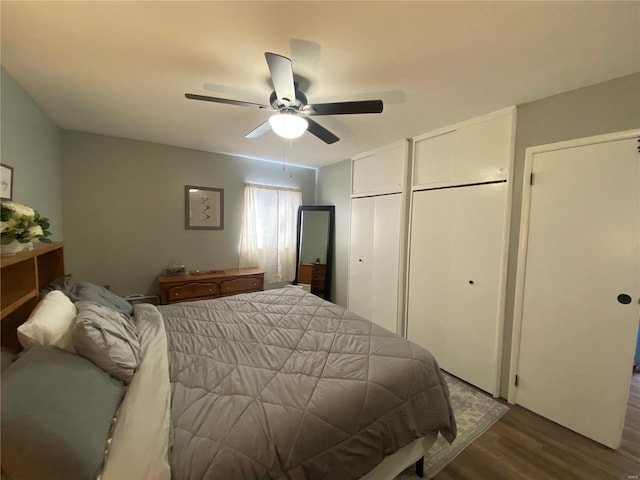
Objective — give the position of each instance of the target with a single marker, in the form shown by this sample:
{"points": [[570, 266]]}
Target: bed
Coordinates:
{"points": [[277, 384]]}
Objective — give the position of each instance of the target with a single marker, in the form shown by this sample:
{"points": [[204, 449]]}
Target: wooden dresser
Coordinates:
{"points": [[185, 288], [23, 275]]}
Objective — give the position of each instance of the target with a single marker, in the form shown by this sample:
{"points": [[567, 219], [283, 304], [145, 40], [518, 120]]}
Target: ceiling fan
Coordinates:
{"points": [[293, 111]]}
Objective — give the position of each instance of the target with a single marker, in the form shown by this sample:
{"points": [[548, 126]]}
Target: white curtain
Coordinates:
{"points": [[268, 236]]}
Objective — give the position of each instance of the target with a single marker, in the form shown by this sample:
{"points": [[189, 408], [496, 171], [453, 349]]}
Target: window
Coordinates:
{"points": [[268, 235]]}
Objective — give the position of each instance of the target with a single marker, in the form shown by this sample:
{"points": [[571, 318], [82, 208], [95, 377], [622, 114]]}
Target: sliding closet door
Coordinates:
{"points": [[375, 258], [361, 256], [455, 278], [386, 252]]}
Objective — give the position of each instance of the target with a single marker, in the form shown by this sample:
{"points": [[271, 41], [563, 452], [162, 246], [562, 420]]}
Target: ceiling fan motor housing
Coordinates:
{"points": [[280, 104]]}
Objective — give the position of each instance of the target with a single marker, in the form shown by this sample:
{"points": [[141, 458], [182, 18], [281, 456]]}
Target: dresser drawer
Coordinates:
{"points": [[318, 275], [319, 272], [214, 284], [192, 291], [241, 285]]}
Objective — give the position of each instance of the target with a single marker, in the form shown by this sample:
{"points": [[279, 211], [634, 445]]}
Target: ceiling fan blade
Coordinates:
{"points": [[281, 76], [344, 108], [259, 130], [322, 133], [193, 96]]}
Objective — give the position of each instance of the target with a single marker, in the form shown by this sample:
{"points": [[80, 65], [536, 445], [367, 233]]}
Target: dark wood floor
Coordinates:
{"points": [[523, 445]]}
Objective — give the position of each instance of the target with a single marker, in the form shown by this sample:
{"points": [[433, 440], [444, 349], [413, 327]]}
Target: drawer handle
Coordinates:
{"points": [[211, 290], [226, 288]]}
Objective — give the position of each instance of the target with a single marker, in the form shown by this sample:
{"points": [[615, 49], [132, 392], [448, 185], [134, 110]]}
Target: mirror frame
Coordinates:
{"points": [[329, 269]]}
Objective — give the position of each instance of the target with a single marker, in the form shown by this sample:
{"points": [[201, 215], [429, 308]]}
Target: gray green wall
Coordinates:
{"points": [[603, 108], [334, 188], [31, 145], [123, 202]]}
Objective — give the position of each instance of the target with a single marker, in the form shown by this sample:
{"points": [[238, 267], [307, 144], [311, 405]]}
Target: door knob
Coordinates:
{"points": [[624, 299]]}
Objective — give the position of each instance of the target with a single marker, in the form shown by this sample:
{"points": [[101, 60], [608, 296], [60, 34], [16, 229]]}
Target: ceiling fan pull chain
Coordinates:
{"points": [[290, 148]]}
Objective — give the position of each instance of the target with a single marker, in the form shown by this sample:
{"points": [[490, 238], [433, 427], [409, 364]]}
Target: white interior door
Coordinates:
{"points": [[361, 255], [456, 279], [580, 253], [386, 259]]}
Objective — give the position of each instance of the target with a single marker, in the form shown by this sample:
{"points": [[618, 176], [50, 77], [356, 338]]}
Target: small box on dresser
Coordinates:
{"points": [[185, 288]]}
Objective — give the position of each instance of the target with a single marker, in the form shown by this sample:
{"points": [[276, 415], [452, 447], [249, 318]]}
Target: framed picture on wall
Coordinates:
{"points": [[204, 208], [6, 182]]}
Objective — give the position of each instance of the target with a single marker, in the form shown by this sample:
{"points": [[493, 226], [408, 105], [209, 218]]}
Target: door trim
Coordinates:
{"points": [[524, 237]]}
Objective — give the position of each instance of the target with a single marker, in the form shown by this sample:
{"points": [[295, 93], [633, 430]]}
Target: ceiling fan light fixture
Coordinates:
{"points": [[288, 125]]}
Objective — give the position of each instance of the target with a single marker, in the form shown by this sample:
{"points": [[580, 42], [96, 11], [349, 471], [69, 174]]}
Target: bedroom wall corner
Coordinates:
{"points": [[30, 143], [333, 188], [124, 208]]}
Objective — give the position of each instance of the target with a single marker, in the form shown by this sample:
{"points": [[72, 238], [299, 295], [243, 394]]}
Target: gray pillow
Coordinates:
{"points": [[7, 358], [85, 291], [64, 284], [57, 409], [107, 339]]}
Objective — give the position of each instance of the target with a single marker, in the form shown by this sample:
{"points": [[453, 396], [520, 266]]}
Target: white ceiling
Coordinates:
{"points": [[122, 68]]}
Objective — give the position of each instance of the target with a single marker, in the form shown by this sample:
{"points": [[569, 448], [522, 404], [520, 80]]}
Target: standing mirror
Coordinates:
{"points": [[314, 252]]}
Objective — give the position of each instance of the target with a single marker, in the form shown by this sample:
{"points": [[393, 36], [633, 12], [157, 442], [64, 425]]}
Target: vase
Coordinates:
{"points": [[14, 247]]}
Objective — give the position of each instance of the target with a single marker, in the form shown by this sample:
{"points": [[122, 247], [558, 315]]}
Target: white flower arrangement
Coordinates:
{"points": [[22, 223]]}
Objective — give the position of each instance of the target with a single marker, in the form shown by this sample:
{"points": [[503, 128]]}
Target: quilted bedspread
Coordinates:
{"points": [[281, 384]]}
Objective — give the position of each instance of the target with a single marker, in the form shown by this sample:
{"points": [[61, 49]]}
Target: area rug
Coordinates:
{"points": [[475, 412]]}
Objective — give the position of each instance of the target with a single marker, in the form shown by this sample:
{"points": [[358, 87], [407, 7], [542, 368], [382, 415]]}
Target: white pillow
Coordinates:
{"points": [[50, 323]]}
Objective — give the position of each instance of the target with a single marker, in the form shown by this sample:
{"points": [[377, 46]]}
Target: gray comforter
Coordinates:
{"points": [[284, 385]]}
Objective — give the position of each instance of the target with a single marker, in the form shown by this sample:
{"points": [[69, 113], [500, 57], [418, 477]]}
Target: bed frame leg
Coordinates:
{"points": [[420, 467]]}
